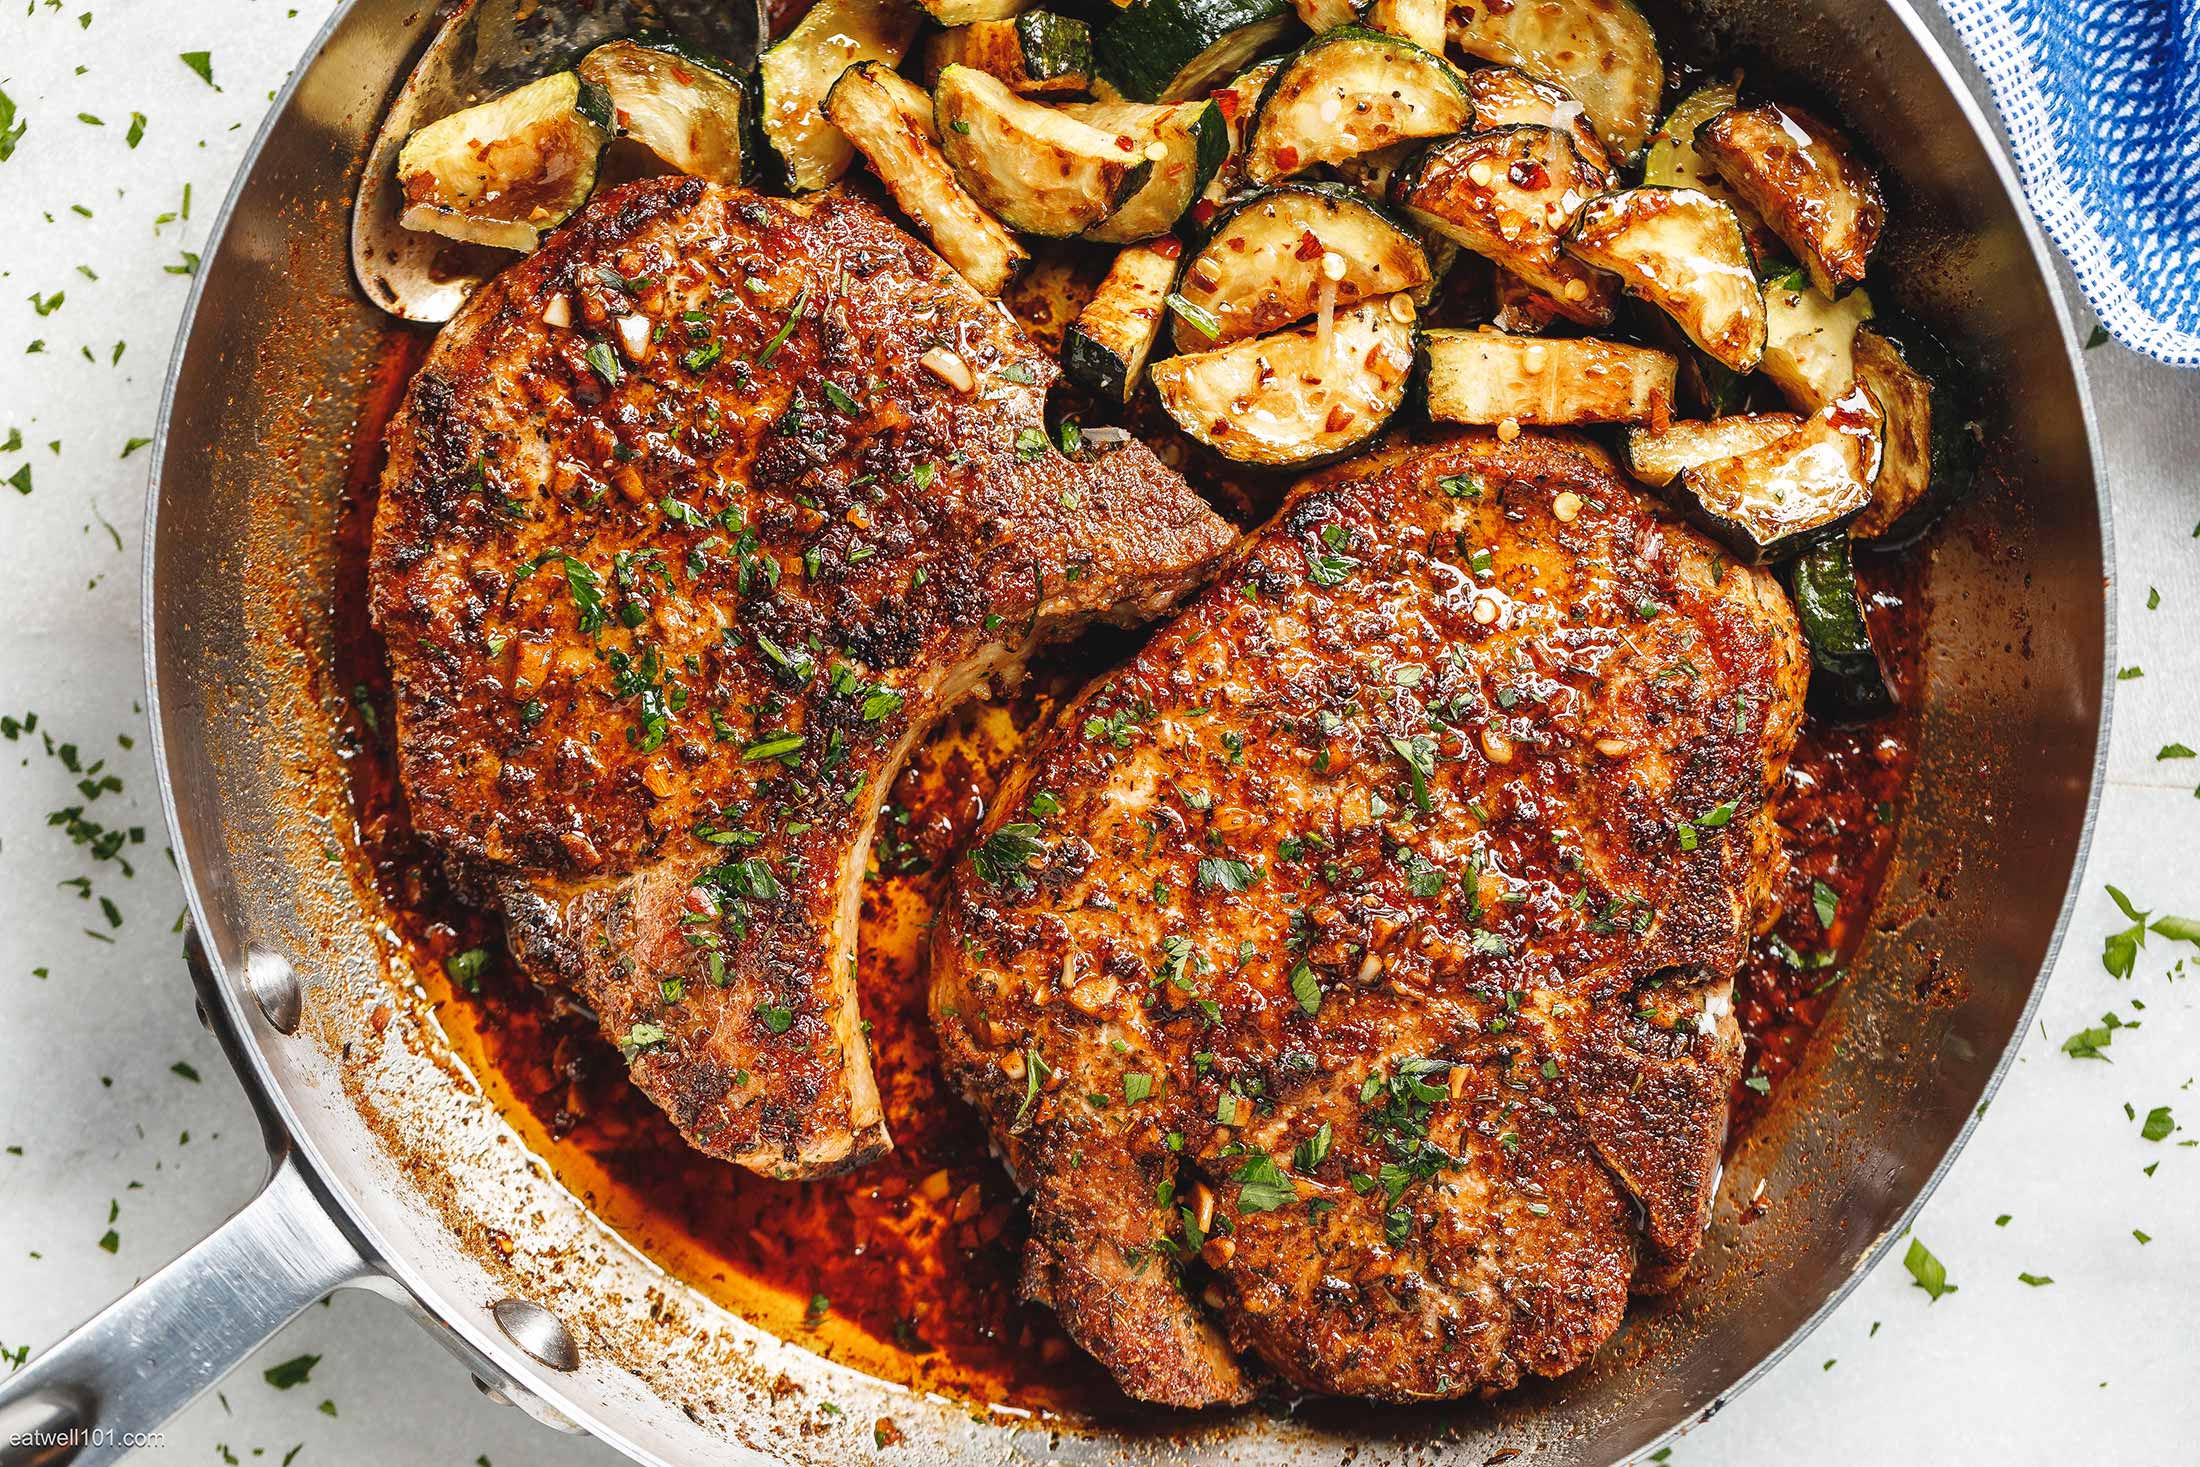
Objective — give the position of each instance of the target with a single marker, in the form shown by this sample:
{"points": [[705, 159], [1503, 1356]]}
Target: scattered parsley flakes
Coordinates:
{"points": [[136, 134], [641, 1038], [2174, 751], [295, 1371], [11, 131], [1306, 989], [186, 1070], [1926, 1271], [1002, 857], [1225, 873], [1826, 902], [201, 62], [2159, 1123], [2036, 1280]]}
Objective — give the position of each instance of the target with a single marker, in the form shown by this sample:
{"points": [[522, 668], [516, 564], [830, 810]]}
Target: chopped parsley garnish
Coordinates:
{"points": [[1199, 318], [1928, 1272], [601, 361], [1001, 858], [1419, 754], [779, 339], [1329, 566], [1264, 1186], [1225, 873], [1306, 988]]}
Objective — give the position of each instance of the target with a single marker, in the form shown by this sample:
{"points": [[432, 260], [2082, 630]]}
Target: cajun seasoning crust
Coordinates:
{"points": [[1408, 925], [669, 590]]}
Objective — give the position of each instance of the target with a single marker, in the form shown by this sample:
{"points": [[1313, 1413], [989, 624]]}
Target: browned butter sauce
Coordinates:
{"points": [[907, 1268]]}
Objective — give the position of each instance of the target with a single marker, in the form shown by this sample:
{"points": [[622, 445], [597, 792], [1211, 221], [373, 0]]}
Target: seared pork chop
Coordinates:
{"points": [[692, 522], [1369, 936]]}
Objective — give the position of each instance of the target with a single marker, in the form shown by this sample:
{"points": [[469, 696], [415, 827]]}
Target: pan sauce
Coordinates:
{"points": [[907, 1268]]}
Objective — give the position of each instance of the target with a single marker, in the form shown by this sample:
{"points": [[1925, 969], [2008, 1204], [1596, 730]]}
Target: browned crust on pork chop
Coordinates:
{"points": [[692, 522], [1370, 935]]}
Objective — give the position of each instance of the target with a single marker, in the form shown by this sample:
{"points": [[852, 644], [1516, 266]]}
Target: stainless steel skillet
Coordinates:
{"points": [[391, 1170]]}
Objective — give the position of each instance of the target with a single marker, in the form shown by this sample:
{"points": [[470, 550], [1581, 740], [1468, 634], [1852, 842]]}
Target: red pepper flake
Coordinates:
{"points": [[1287, 157], [1528, 173], [1310, 246], [1340, 418], [1168, 247], [1125, 141]]}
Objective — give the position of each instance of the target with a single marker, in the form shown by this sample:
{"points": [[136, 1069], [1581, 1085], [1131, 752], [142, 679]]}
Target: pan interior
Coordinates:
{"points": [[281, 360]]}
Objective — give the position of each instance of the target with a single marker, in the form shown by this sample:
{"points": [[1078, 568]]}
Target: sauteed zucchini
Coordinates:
{"points": [[1037, 168], [687, 108], [1271, 257], [1350, 92], [1300, 397], [1037, 54], [507, 172], [1172, 50]]}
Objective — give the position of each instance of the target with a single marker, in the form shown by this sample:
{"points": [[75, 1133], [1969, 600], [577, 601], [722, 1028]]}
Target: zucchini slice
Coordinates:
{"points": [[889, 119], [1671, 160], [970, 12], [1931, 448], [1267, 259], [1038, 53], [1301, 396], [1809, 341], [1490, 377], [1770, 502], [1418, 21], [1105, 350], [1506, 96], [1037, 169], [1184, 141], [1349, 92], [685, 107], [1602, 52], [510, 170], [1683, 252], [1800, 175], [1173, 50], [1511, 194], [796, 74], [1660, 458], [1847, 681]]}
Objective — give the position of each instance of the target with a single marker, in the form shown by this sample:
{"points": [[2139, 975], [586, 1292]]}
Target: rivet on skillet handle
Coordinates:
{"points": [[537, 1331], [273, 984]]}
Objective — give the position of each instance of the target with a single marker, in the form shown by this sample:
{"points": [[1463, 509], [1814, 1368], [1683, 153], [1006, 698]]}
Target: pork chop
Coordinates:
{"points": [[692, 523], [1348, 976]]}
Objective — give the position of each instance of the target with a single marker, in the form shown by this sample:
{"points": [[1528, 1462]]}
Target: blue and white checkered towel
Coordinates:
{"points": [[2101, 99]]}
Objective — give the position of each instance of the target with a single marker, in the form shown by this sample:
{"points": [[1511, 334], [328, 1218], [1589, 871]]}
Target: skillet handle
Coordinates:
{"points": [[112, 1382]]}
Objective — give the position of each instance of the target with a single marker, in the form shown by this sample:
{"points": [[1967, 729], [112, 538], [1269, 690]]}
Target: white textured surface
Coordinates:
{"points": [[2097, 1366]]}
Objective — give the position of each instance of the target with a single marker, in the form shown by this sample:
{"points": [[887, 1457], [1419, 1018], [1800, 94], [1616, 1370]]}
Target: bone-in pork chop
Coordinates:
{"points": [[1348, 976], [692, 522]]}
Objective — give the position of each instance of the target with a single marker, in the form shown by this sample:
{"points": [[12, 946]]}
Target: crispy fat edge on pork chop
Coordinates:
{"points": [[693, 522], [1370, 935]]}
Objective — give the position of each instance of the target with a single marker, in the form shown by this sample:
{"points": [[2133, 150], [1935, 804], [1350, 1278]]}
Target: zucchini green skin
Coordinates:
{"points": [[1054, 46], [1172, 50], [1847, 681], [1953, 442]]}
